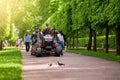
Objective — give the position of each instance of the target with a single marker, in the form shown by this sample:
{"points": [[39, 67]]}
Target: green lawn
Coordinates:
{"points": [[100, 54], [10, 64]]}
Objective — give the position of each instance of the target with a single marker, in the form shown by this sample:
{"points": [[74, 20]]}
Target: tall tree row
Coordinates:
{"points": [[77, 18], [91, 16], [7, 26], [17, 16]]}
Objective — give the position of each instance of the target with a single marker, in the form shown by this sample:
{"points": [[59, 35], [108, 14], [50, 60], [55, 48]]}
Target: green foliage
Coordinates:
{"points": [[114, 10], [24, 14], [83, 42], [81, 14], [100, 41], [67, 15], [61, 16], [8, 11], [53, 7], [10, 64], [3, 20]]}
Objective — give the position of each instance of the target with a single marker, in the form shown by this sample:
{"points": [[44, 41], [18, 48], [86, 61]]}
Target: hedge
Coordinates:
{"points": [[82, 42]]}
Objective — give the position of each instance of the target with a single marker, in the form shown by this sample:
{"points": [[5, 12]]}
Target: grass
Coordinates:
{"points": [[100, 54], [10, 64]]}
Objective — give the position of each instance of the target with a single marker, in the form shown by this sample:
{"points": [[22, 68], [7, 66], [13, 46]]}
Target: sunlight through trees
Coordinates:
{"points": [[81, 18]]}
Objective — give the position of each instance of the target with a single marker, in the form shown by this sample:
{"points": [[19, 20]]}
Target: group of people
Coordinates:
{"points": [[38, 35]]}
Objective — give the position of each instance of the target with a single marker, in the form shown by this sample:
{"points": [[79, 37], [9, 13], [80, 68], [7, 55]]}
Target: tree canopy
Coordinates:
{"points": [[71, 16]]}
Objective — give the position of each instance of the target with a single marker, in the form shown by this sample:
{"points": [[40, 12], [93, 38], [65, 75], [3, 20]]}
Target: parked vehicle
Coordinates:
{"points": [[50, 46]]}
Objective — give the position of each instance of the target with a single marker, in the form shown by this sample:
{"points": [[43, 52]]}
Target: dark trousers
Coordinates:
{"points": [[27, 45]]}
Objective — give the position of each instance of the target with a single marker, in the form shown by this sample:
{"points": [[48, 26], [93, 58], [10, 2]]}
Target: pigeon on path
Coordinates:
{"points": [[50, 64], [60, 64]]}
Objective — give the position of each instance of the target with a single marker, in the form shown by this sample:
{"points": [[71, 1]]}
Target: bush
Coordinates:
{"points": [[100, 41], [83, 42], [111, 41]]}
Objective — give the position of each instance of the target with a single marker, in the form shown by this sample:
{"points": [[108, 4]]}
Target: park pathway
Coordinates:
{"points": [[77, 67]]}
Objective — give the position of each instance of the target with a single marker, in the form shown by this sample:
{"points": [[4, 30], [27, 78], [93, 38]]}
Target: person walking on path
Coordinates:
{"points": [[61, 40], [27, 40]]}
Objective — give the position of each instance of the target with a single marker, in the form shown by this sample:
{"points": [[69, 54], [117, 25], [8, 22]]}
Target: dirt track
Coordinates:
{"points": [[77, 67]]}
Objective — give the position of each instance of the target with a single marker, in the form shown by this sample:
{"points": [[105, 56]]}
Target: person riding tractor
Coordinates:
{"points": [[36, 37]]}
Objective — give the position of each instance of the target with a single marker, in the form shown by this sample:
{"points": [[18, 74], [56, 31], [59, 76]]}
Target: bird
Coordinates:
{"points": [[50, 64], [60, 64]]}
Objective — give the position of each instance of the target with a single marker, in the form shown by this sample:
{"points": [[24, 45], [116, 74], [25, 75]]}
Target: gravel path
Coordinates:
{"points": [[77, 67]]}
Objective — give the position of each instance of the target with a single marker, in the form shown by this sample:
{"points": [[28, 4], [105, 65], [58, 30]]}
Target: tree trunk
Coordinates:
{"points": [[77, 40], [94, 45], [70, 41], [73, 43], [90, 40], [118, 39], [0, 44], [106, 40]]}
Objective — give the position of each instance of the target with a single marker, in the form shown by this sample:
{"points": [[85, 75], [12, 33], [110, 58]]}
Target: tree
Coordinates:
{"points": [[114, 20]]}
